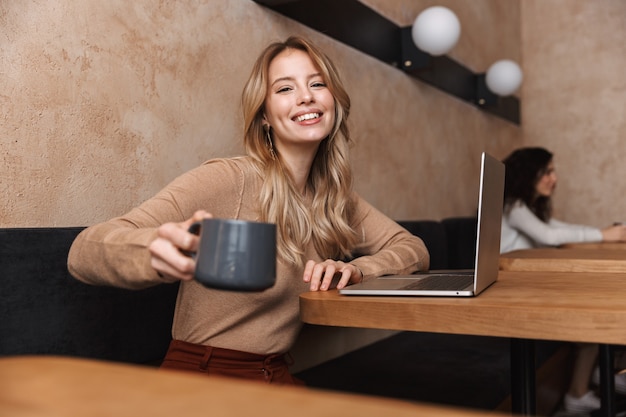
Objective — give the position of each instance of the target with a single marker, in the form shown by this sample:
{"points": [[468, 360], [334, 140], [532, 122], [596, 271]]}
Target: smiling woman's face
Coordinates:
{"points": [[547, 182], [299, 107]]}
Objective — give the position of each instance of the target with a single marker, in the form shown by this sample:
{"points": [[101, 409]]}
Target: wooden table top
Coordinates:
{"points": [[564, 260], [596, 245], [45, 386], [584, 307]]}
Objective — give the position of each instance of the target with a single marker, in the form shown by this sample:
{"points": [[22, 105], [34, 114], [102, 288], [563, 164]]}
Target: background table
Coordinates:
{"points": [[599, 257], [565, 260], [596, 245], [54, 386]]}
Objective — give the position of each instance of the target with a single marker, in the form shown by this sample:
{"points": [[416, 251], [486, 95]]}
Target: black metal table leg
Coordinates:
{"points": [[523, 390], [607, 381]]}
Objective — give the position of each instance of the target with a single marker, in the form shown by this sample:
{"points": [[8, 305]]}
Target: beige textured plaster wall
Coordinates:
{"points": [[103, 103], [574, 102]]}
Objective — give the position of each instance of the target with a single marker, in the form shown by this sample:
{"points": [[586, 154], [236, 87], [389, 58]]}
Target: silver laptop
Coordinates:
{"points": [[462, 283]]}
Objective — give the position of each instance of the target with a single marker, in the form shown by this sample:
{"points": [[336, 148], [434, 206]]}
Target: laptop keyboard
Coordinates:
{"points": [[442, 282]]}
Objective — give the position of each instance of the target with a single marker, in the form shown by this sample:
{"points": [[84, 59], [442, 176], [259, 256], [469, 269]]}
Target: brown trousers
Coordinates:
{"points": [[210, 360]]}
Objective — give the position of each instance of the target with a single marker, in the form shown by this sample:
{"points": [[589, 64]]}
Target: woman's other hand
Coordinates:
{"points": [[615, 233], [167, 250], [320, 275]]}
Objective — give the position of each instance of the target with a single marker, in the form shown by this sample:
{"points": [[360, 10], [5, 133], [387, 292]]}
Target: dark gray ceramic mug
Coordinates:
{"points": [[235, 254]]}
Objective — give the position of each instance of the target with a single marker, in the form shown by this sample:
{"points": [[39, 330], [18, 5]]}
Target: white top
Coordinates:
{"points": [[522, 229]]}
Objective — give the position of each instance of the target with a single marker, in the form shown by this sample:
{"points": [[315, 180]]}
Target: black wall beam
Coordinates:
{"points": [[350, 22]]}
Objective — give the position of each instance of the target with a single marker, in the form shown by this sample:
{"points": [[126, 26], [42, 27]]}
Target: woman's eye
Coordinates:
{"points": [[283, 89], [318, 84]]}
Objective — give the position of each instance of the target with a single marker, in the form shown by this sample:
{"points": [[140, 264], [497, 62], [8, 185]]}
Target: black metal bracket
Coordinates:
{"points": [[354, 24]]}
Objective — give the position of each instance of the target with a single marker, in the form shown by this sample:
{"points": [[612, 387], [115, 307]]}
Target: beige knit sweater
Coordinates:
{"points": [[115, 253]]}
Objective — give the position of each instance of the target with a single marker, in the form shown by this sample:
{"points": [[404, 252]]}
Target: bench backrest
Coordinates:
{"points": [[44, 310]]}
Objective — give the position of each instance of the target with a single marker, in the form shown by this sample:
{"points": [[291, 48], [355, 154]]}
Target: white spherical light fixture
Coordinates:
{"points": [[436, 30], [504, 77]]}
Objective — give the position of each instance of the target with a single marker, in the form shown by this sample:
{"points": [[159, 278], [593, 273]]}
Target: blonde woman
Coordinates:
{"points": [[296, 174]]}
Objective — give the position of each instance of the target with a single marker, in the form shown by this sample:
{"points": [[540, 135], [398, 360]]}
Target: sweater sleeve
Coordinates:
{"points": [[552, 233], [386, 248], [116, 252]]}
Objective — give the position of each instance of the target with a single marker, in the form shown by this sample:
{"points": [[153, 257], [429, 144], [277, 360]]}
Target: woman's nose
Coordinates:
{"points": [[305, 96]]}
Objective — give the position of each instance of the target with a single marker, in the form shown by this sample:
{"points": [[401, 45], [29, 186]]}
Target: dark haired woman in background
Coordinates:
{"points": [[527, 222]]}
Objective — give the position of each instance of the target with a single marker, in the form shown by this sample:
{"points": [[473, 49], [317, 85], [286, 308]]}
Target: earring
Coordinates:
{"points": [[269, 143]]}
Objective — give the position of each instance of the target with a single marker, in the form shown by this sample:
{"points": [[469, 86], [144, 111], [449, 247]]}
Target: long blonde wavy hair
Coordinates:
{"points": [[326, 221]]}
